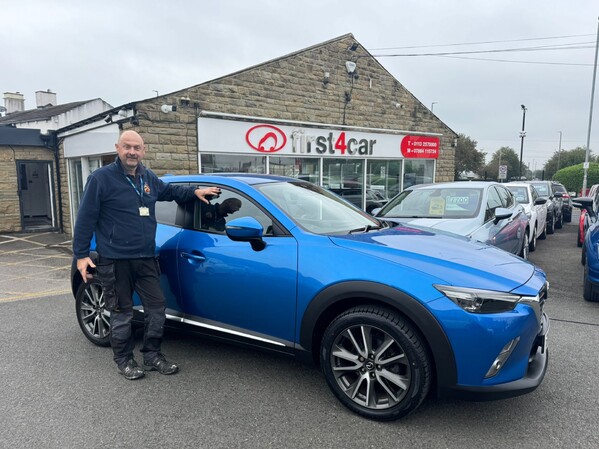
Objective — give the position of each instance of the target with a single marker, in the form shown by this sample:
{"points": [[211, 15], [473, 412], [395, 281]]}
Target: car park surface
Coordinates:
{"points": [[484, 211], [228, 396], [389, 311]]}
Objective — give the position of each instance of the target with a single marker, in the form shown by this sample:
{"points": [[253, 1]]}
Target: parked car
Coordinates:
{"points": [[554, 205], [535, 207], [390, 312], [374, 198], [566, 201], [483, 211], [590, 251], [585, 220]]}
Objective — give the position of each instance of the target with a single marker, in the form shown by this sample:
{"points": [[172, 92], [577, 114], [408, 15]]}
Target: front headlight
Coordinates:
{"points": [[475, 300]]}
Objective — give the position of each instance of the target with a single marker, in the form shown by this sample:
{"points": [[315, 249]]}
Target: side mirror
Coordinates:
{"points": [[558, 195], [246, 229], [540, 200], [375, 211], [584, 203], [501, 213]]}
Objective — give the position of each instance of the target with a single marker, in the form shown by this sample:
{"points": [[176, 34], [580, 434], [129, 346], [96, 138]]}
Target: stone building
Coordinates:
{"points": [[330, 113]]}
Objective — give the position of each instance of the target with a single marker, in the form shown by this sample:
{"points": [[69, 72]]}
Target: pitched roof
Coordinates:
{"points": [[43, 113]]}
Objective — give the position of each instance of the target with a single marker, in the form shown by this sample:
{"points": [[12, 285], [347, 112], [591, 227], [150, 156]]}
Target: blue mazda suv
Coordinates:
{"points": [[389, 311]]}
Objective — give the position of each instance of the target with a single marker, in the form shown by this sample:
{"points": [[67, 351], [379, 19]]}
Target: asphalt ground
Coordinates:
{"points": [[57, 390]]}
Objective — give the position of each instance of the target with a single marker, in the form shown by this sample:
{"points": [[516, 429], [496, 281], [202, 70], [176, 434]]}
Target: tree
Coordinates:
{"points": [[507, 156], [573, 176], [565, 159], [467, 157]]}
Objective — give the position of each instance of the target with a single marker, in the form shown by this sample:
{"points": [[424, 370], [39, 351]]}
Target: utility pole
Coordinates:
{"points": [[586, 157], [522, 135]]}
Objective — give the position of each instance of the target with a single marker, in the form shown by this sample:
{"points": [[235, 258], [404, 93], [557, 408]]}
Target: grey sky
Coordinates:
{"points": [[124, 51]]}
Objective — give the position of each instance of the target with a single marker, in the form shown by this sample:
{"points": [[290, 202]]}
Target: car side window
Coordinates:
{"points": [[174, 214], [228, 206], [493, 202], [507, 199], [533, 194]]}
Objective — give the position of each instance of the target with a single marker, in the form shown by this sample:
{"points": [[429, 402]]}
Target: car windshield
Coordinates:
{"points": [[318, 210], [441, 202], [542, 188], [521, 193]]}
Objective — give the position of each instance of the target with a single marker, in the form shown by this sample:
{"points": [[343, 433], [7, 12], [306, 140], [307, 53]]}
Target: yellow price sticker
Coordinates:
{"points": [[436, 206]]}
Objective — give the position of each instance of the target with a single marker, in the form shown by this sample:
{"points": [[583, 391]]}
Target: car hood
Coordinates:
{"points": [[451, 259], [461, 226]]}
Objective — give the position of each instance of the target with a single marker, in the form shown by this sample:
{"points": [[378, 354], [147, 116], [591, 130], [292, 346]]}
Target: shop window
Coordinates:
{"points": [[418, 172], [383, 179], [225, 163], [345, 178], [306, 169]]}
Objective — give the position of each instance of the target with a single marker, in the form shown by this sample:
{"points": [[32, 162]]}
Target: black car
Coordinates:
{"points": [[566, 199], [555, 215]]}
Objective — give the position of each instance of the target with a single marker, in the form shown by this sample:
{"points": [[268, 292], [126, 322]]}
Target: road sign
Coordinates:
{"points": [[502, 172]]}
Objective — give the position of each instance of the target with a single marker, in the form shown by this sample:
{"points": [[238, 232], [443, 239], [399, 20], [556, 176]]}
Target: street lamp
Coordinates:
{"points": [[559, 149], [522, 135]]}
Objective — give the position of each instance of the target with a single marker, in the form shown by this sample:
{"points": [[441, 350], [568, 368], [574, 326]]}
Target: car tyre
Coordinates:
{"points": [[551, 224], [93, 319], [568, 217], [579, 238], [376, 363], [590, 291], [543, 234], [559, 222], [533, 243], [524, 249]]}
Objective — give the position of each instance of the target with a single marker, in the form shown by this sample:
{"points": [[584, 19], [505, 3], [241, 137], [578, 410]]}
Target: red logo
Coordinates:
{"points": [[420, 147], [266, 138], [146, 188]]}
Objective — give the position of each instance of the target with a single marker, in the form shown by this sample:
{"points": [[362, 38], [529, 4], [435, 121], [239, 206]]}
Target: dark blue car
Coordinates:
{"points": [[389, 311], [590, 252]]}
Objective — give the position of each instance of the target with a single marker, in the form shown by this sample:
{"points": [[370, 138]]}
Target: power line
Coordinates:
{"points": [[517, 62], [483, 42]]}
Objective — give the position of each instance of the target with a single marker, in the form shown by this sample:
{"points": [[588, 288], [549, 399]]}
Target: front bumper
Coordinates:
{"points": [[537, 367]]}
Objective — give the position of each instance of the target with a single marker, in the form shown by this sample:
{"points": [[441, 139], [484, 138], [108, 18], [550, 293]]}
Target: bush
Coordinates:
{"points": [[572, 177]]}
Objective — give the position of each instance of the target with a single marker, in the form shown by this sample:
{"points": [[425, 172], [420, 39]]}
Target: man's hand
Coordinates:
{"points": [[201, 193], [82, 265]]}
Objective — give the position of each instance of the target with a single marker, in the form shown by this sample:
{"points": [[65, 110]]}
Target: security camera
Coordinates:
{"points": [[108, 119], [350, 66], [166, 108]]}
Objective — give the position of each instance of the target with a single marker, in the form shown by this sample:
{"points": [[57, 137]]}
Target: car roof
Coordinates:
{"points": [[455, 184], [247, 178]]}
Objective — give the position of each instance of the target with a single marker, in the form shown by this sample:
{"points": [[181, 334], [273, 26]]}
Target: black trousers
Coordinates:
{"points": [[143, 277]]}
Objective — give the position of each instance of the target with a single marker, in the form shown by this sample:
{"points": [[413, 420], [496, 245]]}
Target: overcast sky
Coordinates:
{"points": [[122, 51]]}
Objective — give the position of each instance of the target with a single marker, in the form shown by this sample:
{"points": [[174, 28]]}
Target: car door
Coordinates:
{"points": [[227, 286], [506, 233]]}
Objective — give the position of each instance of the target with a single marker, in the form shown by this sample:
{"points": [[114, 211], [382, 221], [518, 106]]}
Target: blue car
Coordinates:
{"points": [[389, 312], [590, 252]]}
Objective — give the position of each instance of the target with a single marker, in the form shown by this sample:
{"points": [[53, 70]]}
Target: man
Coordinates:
{"points": [[118, 205]]}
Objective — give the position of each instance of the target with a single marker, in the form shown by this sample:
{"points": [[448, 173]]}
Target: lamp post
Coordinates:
{"points": [[559, 149], [522, 135]]}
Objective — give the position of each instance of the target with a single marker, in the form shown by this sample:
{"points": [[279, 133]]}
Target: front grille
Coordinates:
{"points": [[543, 293]]}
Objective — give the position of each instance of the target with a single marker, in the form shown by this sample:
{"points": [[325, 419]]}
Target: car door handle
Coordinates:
{"points": [[193, 257]]}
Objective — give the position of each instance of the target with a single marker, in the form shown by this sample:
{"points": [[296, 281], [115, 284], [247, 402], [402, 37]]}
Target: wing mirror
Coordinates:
{"points": [[246, 229]]}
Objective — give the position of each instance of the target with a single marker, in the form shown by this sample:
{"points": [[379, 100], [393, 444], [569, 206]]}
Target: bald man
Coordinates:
{"points": [[118, 205]]}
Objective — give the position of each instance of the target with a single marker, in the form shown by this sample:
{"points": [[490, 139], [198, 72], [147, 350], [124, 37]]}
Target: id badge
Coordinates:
{"points": [[144, 212]]}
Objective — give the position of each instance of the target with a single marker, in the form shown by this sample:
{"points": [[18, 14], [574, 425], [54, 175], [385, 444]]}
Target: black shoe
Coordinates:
{"points": [[131, 370], [160, 364]]}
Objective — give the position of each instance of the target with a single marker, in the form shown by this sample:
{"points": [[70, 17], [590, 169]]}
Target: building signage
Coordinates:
{"points": [[218, 135], [420, 147]]}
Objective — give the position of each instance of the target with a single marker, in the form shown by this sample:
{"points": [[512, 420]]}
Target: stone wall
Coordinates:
{"points": [[287, 88]]}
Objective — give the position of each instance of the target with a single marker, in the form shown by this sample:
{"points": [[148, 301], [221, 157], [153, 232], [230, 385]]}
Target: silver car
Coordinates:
{"points": [[483, 211], [535, 207]]}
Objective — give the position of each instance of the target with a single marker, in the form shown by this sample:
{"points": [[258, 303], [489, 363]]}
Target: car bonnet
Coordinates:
{"points": [[453, 259]]}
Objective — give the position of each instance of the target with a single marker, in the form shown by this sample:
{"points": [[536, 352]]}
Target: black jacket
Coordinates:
{"points": [[110, 208]]}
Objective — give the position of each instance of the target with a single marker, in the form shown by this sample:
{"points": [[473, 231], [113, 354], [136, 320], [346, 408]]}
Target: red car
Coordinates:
{"points": [[584, 222]]}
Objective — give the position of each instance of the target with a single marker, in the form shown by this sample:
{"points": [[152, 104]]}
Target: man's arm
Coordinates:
{"points": [[85, 226]]}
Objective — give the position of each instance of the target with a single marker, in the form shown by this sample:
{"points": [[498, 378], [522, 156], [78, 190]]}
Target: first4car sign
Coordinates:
{"points": [[229, 136]]}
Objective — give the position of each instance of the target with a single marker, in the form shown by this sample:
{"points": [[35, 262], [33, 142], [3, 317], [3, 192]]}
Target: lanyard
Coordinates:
{"points": [[140, 192]]}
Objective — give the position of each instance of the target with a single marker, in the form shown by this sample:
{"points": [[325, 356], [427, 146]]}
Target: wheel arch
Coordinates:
{"points": [[339, 297], [76, 279]]}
